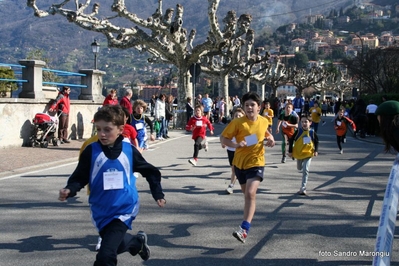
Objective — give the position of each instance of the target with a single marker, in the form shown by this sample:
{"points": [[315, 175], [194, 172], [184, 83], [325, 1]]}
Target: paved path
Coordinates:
{"points": [[334, 225]]}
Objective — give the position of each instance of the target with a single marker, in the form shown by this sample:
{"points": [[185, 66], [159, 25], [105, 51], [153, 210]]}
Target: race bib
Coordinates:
{"points": [[198, 123], [314, 111], [339, 123], [139, 126], [251, 140], [306, 140], [113, 180], [284, 124], [298, 110]]}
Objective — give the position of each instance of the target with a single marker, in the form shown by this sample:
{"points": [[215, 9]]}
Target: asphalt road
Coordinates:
{"points": [[335, 225]]}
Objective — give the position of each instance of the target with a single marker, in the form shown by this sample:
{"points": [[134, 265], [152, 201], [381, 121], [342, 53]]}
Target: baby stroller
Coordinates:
{"points": [[44, 129]]}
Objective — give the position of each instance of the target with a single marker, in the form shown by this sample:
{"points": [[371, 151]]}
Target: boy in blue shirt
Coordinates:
{"points": [[107, 166]]}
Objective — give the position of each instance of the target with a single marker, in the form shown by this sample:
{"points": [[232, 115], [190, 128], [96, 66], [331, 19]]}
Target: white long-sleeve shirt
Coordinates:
{"points": [[159, 110]]}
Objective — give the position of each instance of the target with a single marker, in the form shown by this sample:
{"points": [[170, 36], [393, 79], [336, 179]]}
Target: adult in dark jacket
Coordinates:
{"points": [[168, 115], [62, 106]]}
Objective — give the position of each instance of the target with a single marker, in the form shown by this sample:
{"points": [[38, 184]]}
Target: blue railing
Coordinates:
{"points": [[59, 73]]}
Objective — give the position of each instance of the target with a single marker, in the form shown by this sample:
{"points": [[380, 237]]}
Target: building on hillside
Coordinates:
{"points": [[313, 18], [344, 19], [369, 41], [298, 42], [290, 27], [310, 34]]}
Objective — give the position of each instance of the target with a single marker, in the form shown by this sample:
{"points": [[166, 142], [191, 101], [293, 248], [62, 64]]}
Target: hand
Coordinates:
{"points": [[211, 132], [152, 138], [270, 143], [63, 194], [161, 202], [289, 154], [51, 110]]}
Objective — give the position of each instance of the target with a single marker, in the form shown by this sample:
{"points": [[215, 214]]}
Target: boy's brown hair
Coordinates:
{"points": [[140, 103], [111, 113]]}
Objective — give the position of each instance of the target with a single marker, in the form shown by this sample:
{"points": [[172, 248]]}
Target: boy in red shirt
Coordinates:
{"points": [[197, 124]]}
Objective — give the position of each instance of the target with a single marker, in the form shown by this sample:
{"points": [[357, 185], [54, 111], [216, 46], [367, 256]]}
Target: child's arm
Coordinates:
{"points": [[278, 126], [79, 178], [228, 142], [315, 143], [209, 124], [152, 175]]}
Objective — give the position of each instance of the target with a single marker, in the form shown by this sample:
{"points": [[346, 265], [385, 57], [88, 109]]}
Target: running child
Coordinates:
{"points": [[198, 124], [113, 198], [140, 122], [250, 131], [303, 146], [288, 119], [268, 113], [341, 123]]}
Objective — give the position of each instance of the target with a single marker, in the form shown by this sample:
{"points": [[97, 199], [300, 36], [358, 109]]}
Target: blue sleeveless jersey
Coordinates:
{"points": [[107, 205], [141, 128]]}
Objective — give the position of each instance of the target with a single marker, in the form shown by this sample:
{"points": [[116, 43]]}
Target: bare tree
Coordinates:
{"points": [[303, 79], [162, 35]]}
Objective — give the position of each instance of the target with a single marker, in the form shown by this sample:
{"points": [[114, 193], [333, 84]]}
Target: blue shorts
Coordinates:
{"points": [[230, 155], [244, 175]]}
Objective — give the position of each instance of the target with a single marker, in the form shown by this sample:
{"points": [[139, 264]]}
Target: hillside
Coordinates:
{"points": [[68, 46]]}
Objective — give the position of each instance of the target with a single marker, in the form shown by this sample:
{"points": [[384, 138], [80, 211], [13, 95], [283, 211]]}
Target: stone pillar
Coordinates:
{"points": [[33, 73], [94, 82]]}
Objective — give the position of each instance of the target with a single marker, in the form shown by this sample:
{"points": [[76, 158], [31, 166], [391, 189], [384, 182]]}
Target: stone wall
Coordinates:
{"points": [[16, 116]]}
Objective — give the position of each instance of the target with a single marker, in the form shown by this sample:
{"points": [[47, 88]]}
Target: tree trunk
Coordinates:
{"points": [[185, 90]]}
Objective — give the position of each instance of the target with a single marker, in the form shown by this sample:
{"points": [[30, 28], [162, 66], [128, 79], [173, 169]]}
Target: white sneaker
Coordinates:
{"points": [[98, 246], [193, 162], [206, 146], [230, 189], [341, 151]]}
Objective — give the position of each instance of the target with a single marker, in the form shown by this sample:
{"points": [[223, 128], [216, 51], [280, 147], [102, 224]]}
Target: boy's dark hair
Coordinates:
{"points": [[251, 96], [111, 113], [308, 117]]}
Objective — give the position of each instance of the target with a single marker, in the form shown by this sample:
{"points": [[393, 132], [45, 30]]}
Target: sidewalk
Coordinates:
{"points": [[18, 159]]}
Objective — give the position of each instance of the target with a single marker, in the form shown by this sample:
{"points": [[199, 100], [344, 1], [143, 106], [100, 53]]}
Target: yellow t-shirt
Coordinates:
{"points": [[87, 143], [316, 114], [253, 132], [268, 114]]}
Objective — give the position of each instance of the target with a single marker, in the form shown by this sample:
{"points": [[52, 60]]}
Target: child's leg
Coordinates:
{"points": [[315, 126], [197, 146], [305, 172], [339, 140], [283, 143], [299, 165], [112, 235]]}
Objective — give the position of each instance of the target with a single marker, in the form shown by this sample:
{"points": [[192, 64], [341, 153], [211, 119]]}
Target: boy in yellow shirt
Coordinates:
{"points": [[268, 113], [249, 132], [303, 146], [315, 113]]}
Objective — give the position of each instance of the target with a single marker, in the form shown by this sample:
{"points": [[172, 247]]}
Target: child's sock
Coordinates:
{"points": [[245, 225]]}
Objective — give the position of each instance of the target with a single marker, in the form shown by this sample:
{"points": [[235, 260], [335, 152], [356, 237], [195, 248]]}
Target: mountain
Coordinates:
{"points": [[68, 46]]}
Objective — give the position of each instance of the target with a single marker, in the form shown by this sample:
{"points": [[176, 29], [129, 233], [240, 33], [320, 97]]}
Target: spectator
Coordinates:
{"points": [[125, 101], [372, 118], [62, 106], [189, 109], [111, 99], [388, 116]]}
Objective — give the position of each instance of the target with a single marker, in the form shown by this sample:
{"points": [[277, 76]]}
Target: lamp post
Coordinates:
{"points": [[361, 58], [95, 47]]}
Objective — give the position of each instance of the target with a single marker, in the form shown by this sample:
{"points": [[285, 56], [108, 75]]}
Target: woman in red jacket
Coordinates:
{"points": [[62, 106], [111, 99]]}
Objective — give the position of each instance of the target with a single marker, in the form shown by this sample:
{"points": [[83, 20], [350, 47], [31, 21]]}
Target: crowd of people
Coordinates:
{"points": [[109, 159]]}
